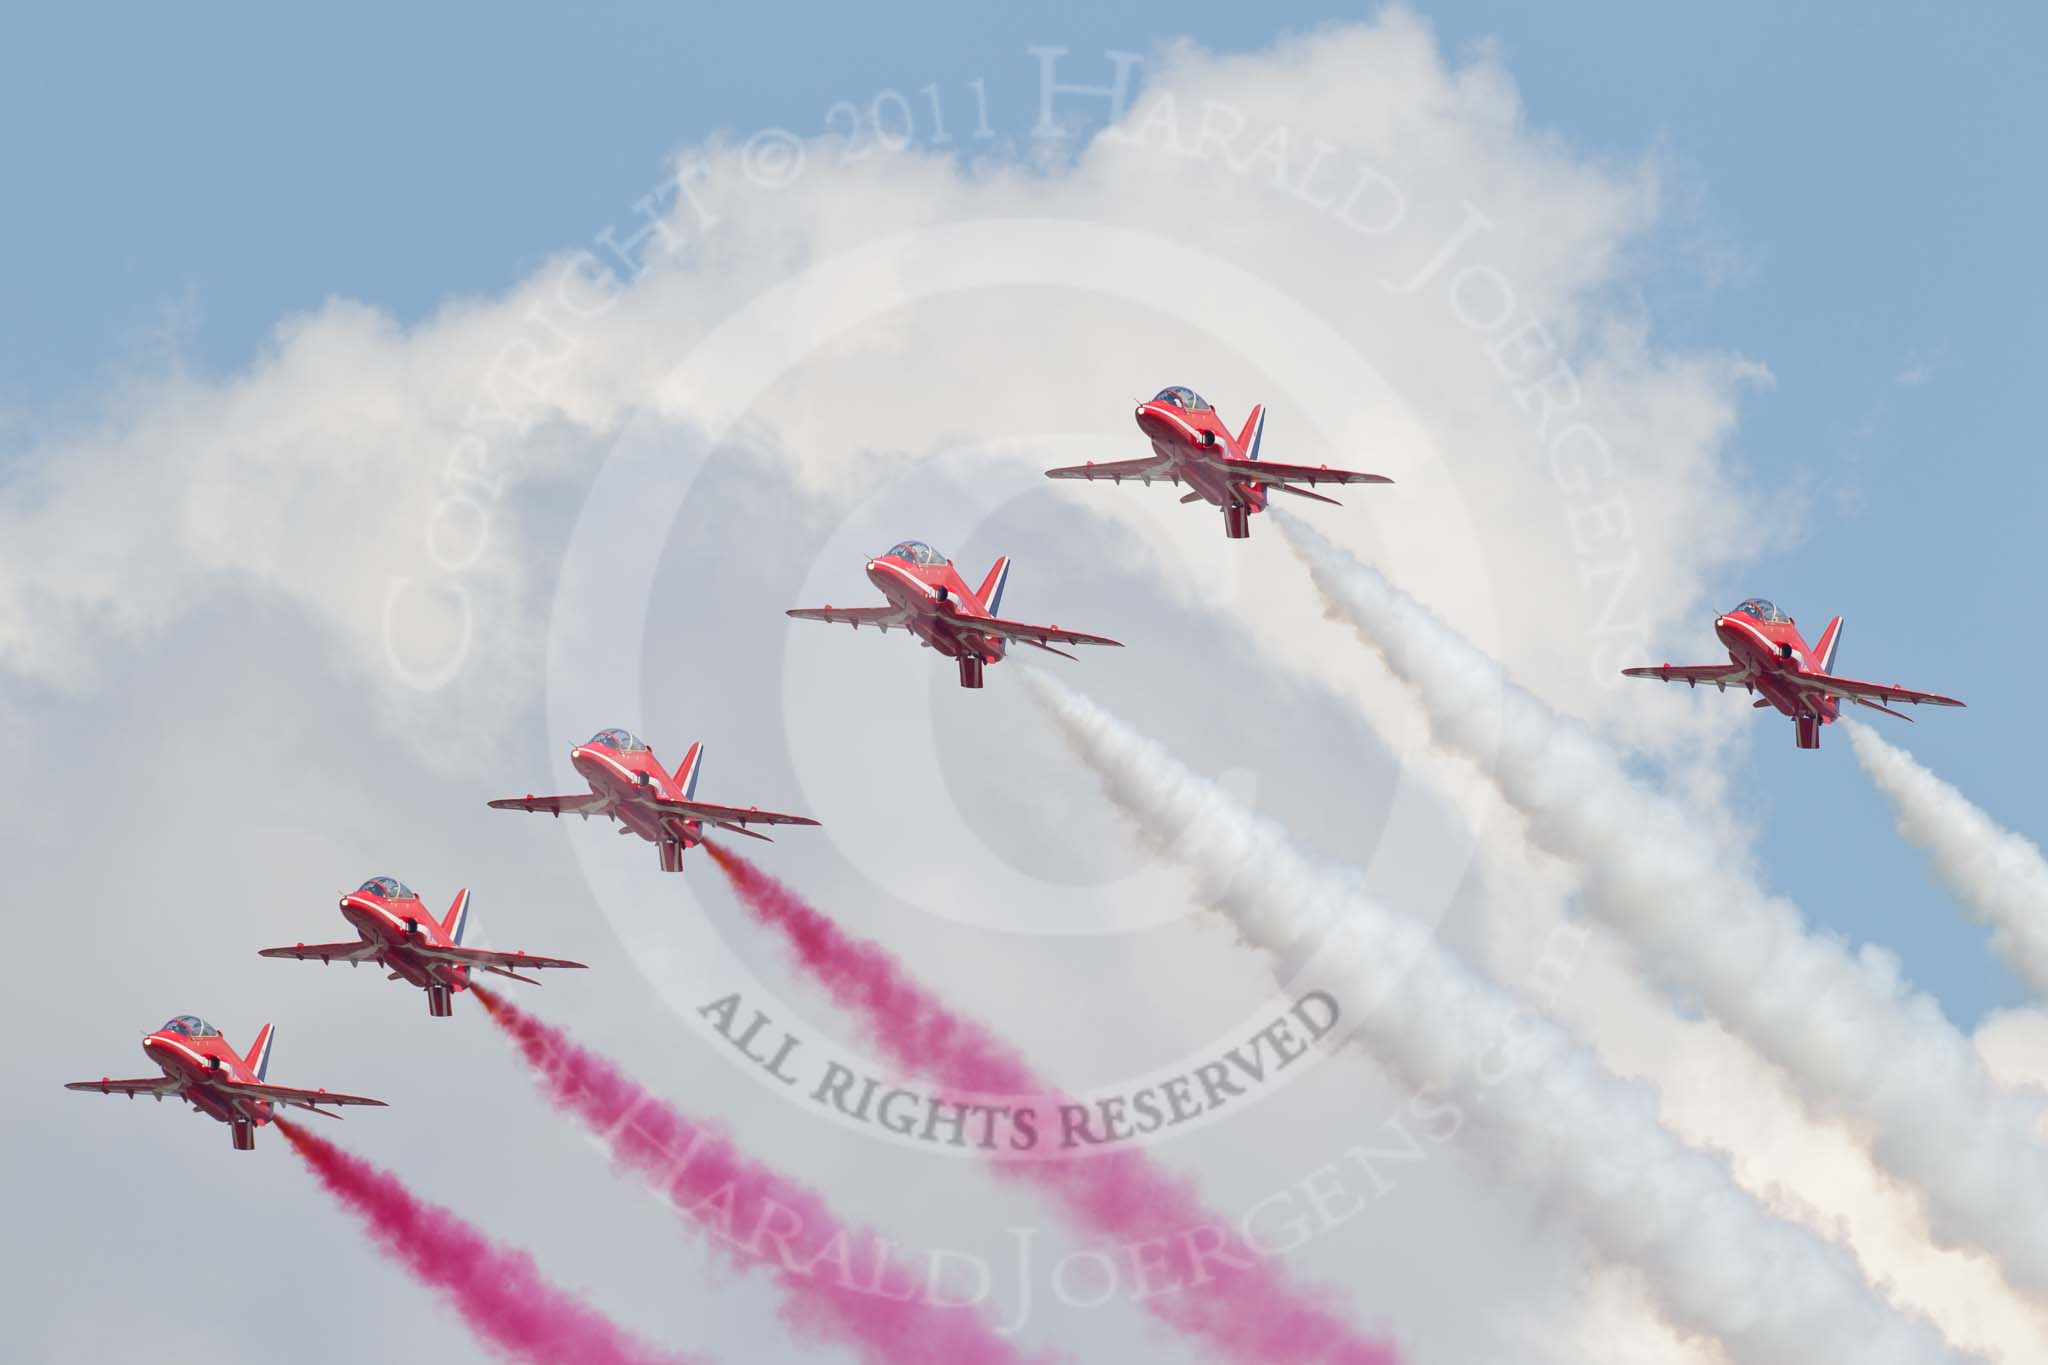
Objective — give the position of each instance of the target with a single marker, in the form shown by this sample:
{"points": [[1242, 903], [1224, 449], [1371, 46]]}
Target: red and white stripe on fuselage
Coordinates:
{"points": [[629, 780], [1774, 657], [397, 928], [942, 612], [1199, 445], [195, 1064]]}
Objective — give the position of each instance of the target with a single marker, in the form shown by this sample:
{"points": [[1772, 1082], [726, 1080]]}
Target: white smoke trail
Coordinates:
{"points": [[2000, 877], [1771, 1292], [1860, 1043]]}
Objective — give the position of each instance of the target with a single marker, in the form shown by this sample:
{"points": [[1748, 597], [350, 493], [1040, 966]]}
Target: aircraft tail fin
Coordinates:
{"points": [[1824, 651], [457, 918], [991, 593], [258, 1059], [1254, 432], [687, 771]]}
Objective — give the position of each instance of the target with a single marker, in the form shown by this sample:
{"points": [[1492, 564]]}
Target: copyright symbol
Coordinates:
{"points": [[772, 158]]}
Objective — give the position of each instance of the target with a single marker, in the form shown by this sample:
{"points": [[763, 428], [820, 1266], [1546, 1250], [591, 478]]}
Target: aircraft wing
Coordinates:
{"points": [[1267, 471], [884, 617], [1116, 471], [590, 803], [147, 1085], [1869, 692], [355, 950], [1035, 635], [484, 957], [285, 1094], [728, 815], [1695, 674]]}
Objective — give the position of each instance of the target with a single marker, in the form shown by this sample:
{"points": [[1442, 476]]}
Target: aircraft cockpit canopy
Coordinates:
{"points": [[1761, 609], [190, 1026], [915, 552], [1183, 398], [621, 740], [390, 888]]}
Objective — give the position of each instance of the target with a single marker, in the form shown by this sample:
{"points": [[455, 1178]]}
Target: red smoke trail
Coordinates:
{"points": [[839, 1282], [500, 1293], [1197, 1272]]}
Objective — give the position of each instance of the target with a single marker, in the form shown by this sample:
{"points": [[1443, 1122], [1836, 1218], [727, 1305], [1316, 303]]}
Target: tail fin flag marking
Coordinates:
{"points": [[1824, 651], [687, 773], [1254, 433], [457, 918], [259, 1052], [991, 593]]}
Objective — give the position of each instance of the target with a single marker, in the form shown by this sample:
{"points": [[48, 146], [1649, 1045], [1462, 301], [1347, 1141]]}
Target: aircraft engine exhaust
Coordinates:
{"points": [[1546, 1113], [1246, 1309], [838, 1282], [1999, 876], [501, 1294], [1859, 1040]]}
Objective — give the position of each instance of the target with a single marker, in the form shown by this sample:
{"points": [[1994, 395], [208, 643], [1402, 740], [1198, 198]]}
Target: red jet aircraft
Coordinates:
{"points": [[928, 598], [201, 1069], [629, 785], [1768, 656], [1191, 445], [397, 932]]}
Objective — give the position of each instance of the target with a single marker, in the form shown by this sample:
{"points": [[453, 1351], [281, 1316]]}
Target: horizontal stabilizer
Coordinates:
{"points": [[286, 1094], [737, 815], [1018, 630], [491, 960], [1875, 706], [1864, 691], [1269, 472], [1301, 493]]}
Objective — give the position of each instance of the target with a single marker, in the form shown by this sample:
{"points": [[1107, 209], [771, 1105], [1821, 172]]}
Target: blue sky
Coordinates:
{"points": [[1851, 199]]}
